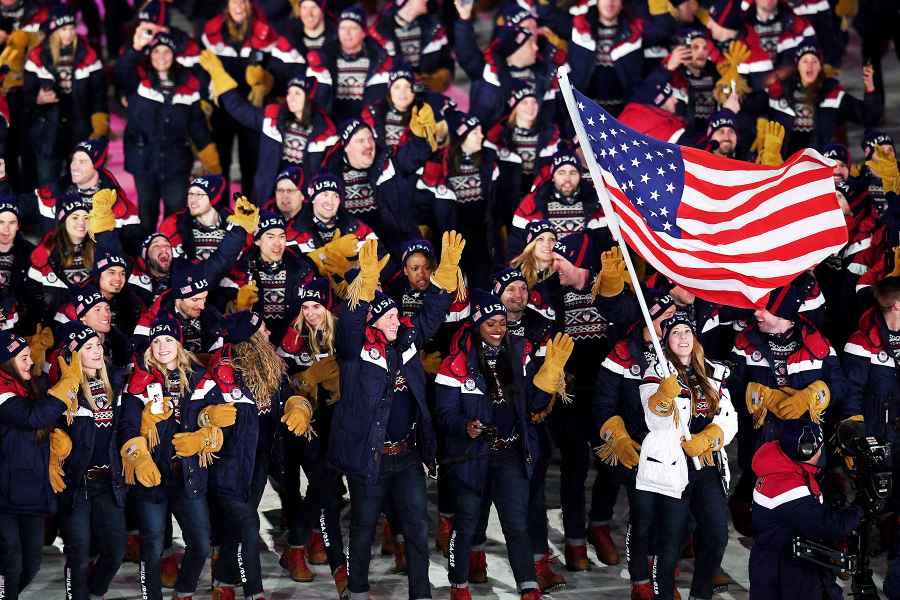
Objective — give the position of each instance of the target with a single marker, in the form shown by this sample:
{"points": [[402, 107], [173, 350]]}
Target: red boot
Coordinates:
{"points": [[442, 536], [294, 560], [316, 554], [547, 579], [387, 539], [576, 558], [223, 592], [399, 557], [477, 566], [340, 580], [642, 591], [133, 548], [168, 570], [531, 595], [603, 545], [460, 593]]}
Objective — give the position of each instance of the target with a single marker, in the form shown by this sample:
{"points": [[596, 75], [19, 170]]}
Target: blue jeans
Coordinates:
{"points": [[21, 538], [239, 562], [193, 517], [94, 522], [402, 479], [508, 487]]}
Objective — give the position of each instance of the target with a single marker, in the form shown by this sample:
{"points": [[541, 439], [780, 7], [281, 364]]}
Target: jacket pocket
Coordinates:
{"points": [[662, 467]]}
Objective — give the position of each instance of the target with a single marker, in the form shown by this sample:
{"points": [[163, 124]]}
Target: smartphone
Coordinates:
{"points": [[155, 397]]}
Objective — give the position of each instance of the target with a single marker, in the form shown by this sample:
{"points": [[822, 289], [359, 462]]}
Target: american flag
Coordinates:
{"points": [[728, 231]]}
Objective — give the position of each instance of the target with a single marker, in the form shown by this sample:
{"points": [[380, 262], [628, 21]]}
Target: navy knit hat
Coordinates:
{"points": [[873, 137], [520, 90], [267, 222], [154, 11], [380, 306], [107, 258], [679, 318], [511, 39], [97, 150], [188, 279], [689, 33], [658, 304], [349, 127], [76, 334], [512, 14], [837, 152], [563, 158], [536, 228], [293, 174], [721, 118], [354, 13], [505, 278], [485, 305], [653, 93], [164, 39], [317, 290], [299, 81], [9, 203], [68, 204], [575, 248], [212, 185], [10, 345], [148, 241], [785, 301], [240, 326], [164, 324], [401, 72], [459, 124], [324, 182], [800, 439], [413, 246], [60, 16], [807, 49], [87, 298]]}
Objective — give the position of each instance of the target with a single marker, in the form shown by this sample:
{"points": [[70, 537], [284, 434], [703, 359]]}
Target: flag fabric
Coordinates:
{"points": [[728, 231]]}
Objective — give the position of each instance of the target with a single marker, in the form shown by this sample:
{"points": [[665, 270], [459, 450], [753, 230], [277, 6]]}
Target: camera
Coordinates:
{"points": [[488, 434], [868, 460]]}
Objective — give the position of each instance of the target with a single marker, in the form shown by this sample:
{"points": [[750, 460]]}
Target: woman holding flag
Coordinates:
{"points": [[694, 399]]}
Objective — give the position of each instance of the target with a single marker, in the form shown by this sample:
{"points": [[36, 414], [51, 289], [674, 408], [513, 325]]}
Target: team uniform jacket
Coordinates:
{"points": [[269, 121], [124, 210], [434, 46], [210, 324], [787, 502], [873, 375], [618, 385], [88, 96], [177, 227], [323, 68], [513, 181], [18, 293], [790, 33], [134, 398], [160, 130], [24, 459], [304, 234], [369, 368]]}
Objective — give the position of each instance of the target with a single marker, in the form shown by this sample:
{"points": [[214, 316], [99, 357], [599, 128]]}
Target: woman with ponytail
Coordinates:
{"points": [[155, 406], [679, 474], [31, 458]]}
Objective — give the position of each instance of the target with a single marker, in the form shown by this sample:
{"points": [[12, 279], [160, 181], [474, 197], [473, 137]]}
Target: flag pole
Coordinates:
{"points": [[613, 220]]}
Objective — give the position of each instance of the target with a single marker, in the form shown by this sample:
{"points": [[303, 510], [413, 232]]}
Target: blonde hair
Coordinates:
{"points": [[185, 362], [698, 363], [527, 263], [327, 328], [103, 376], [260, 367], [55, 45]]}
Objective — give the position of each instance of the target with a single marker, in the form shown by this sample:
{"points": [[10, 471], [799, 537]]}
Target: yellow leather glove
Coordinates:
{"points": [[760, 399], [137, 464], [247, 296], [101, 217], [12, 58], [550, 378], [771, 150], [737, 53], [40, 342], [318, 372], [618, 447], [662, 402], [894, 273], [205, 442], [757, 144], [422, 124], [260, 82], [658, 7], [364, 286], [448, 275], [703, 444], [217, 415], [298, 416], [60, 448], [437, 82], [245, 215], [885, 167], [846, 10], [99, 125], [149, 421], [431, 362], [19, 41], [221, 81], [611, 280], [813, 399], [334, 257], [66, 389], [209, 159]]}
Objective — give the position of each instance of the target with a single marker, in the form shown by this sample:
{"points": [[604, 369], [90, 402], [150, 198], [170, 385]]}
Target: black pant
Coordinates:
{"points": [[21, 538], [224, 129], [150, 188]]}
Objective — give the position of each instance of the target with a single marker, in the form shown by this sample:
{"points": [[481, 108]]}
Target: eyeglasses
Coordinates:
{"points": [[196, 195]]}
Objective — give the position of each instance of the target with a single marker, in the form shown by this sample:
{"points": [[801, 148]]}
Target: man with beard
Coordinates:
{"points": [[15, 258], [247, 393], [722, 134], [152, 271], [196, 232]]}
